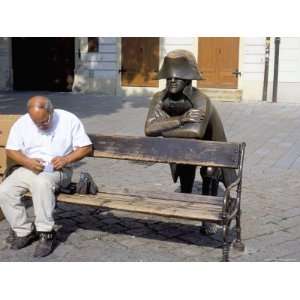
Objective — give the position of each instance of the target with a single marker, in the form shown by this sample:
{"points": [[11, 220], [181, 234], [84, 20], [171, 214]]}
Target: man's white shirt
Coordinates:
{"points": [[65, 135]]}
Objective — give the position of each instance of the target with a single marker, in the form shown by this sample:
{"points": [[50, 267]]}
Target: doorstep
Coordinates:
{"points": [[230, 95]]}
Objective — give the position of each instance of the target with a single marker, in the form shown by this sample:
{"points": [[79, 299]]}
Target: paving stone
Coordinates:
{"points": [[110, 220], [115, 228], [273, 253], [170, 232], [138, 231]]}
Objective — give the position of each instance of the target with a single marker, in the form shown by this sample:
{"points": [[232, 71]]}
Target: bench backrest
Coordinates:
{"points": [[6, 121], [168, 150]]}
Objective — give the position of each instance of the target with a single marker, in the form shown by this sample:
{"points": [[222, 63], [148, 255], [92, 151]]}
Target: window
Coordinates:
{"points": [[93, 44]]}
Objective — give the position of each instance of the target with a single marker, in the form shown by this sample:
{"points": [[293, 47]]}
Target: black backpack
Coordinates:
{"points": [[86, 184]]}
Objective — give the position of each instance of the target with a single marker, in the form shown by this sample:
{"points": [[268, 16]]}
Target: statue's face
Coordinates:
{"points": [[175, 85]]}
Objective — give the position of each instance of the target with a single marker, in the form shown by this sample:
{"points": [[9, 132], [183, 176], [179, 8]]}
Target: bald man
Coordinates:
{"points": [[44, 142]]}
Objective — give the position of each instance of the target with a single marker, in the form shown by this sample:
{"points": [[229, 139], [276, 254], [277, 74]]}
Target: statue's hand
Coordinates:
{"points": [[193, 116]]}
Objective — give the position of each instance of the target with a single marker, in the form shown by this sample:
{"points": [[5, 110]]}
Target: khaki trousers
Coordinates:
{"points": [[42, 187]]}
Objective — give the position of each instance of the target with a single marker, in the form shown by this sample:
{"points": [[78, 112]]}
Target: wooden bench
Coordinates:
{"points": [[220, 210]]}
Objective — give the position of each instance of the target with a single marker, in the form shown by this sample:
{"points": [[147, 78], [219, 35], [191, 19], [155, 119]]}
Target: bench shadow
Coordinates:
{"points": [[188, 234]]}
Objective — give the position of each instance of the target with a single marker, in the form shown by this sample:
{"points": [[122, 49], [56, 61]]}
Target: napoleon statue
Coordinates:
{"points": [[183, 111]]}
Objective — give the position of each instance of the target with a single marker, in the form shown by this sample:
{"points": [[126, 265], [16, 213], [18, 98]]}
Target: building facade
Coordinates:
{"points": [[233, 68]]}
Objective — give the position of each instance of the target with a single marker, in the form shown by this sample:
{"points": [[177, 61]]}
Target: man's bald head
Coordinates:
{"points": [[40, 102], [40, 109]]}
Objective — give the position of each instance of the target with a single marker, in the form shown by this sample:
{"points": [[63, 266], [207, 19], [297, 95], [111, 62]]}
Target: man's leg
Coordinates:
{"points": [[43, 197], [11, 191], [42, 190]]}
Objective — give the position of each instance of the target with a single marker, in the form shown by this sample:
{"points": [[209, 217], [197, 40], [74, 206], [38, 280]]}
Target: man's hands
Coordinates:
{"points": [[193, 116], [35, 165], [59, 162]]}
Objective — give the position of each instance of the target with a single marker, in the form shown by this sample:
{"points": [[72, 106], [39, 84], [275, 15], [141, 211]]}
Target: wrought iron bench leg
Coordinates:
{"points": [[238, 244], [225, 243]]}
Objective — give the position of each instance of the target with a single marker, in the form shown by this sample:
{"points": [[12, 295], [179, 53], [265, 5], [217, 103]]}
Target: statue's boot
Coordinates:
{"points": [[187, 176]]}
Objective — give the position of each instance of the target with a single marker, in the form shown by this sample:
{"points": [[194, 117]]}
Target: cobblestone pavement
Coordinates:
{"points": [[270, 197]]}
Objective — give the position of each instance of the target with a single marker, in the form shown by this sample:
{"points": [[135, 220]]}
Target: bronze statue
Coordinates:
{"points": [[183, 111]]}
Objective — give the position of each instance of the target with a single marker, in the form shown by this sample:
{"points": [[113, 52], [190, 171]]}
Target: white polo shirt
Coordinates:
{"points": [[65, 135]]}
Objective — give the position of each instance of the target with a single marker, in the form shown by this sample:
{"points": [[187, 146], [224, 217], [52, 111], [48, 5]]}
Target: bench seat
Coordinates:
{"points": [[186, 206]]}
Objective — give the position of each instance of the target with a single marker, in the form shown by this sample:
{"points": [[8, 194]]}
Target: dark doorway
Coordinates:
{"points": [[43, 63]]}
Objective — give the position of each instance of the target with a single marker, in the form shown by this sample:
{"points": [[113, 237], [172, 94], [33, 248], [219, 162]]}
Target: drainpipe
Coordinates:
{"points": [[276, 65], [266, 74], [10, 81]]}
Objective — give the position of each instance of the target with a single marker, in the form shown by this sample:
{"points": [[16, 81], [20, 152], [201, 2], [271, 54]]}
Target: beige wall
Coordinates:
{"points": [[252, 59], [289, 70], [97, 72]]}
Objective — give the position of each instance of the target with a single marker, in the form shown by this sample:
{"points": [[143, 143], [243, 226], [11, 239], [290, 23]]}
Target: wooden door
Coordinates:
{"points": [[140, 61], [43, 63], [218, 59]]}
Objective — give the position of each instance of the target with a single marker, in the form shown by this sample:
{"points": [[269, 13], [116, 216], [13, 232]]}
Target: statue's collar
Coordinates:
{"points": [[188, 91]]}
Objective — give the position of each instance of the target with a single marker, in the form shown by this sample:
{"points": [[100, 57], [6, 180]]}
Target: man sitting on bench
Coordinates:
{"points": [[182, 111], [44, 142]]}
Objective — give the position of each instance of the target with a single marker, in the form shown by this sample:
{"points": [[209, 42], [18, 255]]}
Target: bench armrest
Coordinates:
{"points": [[236, 183], [227, 198]]}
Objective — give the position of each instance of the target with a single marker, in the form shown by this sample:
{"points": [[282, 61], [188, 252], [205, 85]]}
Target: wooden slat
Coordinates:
{"points": [[175, 199], [167, 150], [179, 209], [183, 197]]}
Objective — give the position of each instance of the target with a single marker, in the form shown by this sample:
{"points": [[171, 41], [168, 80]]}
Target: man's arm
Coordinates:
{"points": [[60, 161], [32, 164], [15, 144]]}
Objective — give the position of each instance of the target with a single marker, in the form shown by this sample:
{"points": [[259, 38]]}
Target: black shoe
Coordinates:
{"points": [[209, 228], [45, 245], [21, 242]]}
